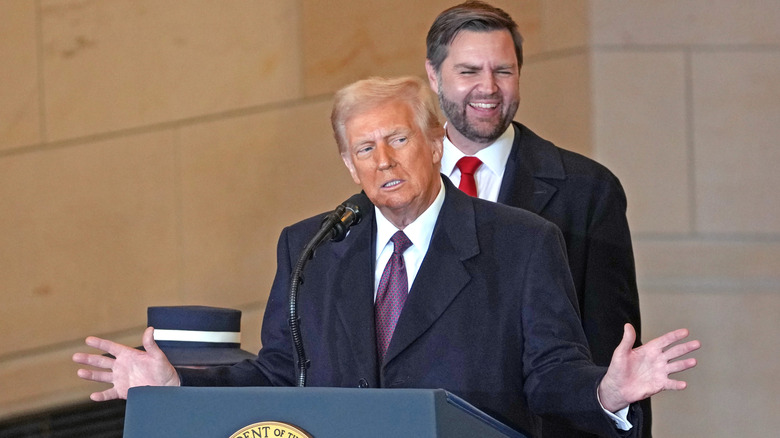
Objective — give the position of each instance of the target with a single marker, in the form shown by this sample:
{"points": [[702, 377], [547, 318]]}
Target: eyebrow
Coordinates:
{"points": [[396, 130], [477, 67]]}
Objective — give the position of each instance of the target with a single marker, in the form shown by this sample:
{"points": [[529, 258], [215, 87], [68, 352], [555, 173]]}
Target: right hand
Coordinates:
{"points": [[130, 368]]}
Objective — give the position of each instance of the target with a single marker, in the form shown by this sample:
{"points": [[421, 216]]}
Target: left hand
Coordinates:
{"points": [[635, 374]]}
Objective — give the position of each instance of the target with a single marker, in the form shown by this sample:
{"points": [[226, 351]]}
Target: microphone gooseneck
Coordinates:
{"points": [[335, 226]]}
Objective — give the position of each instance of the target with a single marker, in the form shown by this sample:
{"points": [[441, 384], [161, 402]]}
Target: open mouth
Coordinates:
{"points": [[391, 184], [483, 106]]}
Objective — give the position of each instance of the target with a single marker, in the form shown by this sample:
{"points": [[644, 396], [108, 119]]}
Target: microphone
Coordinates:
{"points": [[335, 226], [349, 213]]}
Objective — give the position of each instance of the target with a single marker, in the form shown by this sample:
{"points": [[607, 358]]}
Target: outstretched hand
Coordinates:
{"points": [[635, 374], [130, 368]]}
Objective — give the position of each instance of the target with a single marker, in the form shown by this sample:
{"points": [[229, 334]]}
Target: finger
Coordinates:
{"points": [[95, 360], [680, 365], [147, 340], [675, 385], [670, 338], [629, 337], [96, 376], [662, 342], [109, 394], [106, 345], [682, 349], [149, 344]]}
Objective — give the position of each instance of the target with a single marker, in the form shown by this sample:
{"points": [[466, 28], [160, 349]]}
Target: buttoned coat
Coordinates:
{"points": [[587, 202], [491, 316]]}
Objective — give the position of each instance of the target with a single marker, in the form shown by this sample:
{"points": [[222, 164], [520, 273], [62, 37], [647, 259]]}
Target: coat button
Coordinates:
{"points": [[363, 383]]}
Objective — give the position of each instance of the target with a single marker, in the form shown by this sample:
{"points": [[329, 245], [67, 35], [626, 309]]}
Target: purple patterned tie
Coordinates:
{"points": [[391, 293]]}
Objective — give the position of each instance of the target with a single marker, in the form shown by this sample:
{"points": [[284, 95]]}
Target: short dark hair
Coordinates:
{"points": [[475, 16]]}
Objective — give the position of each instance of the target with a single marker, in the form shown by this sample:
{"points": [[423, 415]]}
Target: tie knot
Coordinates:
{"points": [[468, 165], [400, 242]]}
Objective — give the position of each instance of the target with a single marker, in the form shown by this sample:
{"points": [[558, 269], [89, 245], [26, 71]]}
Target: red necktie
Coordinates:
{"points": [[467, 166], [391, 293]]}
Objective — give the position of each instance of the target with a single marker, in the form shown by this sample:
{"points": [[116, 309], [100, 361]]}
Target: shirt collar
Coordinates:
{"points": [[494, 156], [419, 232]]}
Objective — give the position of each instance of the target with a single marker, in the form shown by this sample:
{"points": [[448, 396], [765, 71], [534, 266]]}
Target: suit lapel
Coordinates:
{"points": [[353, 279], [531, 164], [442, 275]]}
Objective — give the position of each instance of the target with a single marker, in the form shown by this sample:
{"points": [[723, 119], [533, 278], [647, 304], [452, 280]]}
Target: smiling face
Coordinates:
{"points": [[393, 160], [478, 87]]}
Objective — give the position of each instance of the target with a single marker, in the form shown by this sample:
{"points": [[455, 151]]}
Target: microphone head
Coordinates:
{"points": [[333, 217], [352, 214], [357, 204]]}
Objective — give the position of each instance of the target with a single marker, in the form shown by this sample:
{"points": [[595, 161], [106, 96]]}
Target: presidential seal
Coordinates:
{"points": [[271, 429]]}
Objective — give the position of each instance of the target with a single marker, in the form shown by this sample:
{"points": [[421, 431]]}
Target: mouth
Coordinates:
{"points": [[392, 183], [483, 105]]}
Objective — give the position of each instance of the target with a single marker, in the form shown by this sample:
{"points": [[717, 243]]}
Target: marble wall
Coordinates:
{"points": [[151, 152], [686, 109]]}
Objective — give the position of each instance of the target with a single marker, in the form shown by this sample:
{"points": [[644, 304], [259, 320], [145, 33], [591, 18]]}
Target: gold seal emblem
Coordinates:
{"points": [[271, 429]]}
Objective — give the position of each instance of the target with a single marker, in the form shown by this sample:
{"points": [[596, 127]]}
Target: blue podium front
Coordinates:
{"points": [[319, 412]]}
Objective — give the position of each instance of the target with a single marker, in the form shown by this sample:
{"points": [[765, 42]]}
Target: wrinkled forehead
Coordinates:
{"points": [[380, 120]]}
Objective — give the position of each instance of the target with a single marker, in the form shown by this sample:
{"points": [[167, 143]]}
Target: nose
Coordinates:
{"points": [[487, 83], [384, 156]]}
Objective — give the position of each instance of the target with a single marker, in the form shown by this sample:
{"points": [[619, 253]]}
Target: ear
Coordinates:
{"points": [[438, 147], [433, 78], [350, 166]]}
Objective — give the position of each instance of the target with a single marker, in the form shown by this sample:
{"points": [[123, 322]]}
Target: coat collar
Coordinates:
{"points": [[442, 275], [352, 277], [531, 170], [441, 278]]}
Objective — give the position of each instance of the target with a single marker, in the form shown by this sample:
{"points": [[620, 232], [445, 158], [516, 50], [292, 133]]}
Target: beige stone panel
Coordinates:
{"points": [[641, 22], [565, 24], [89, 238], [244, 179], [19, 108], [533, 20], [47, 379], [555, 101], [736, 104], [111, 65], [733, 389], [640, 134], [708, 264], [345, 40]]}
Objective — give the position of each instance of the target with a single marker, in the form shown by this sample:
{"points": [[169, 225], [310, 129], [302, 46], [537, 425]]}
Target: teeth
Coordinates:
{"points": [[484, 105], [392, 183]]}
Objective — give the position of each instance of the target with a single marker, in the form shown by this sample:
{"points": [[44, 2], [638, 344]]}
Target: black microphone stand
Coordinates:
{"points": [[334, 226], [302, 364]]}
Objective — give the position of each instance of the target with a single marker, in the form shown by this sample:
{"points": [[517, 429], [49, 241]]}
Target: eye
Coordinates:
{"points": [[398, 140], [364, 150]]}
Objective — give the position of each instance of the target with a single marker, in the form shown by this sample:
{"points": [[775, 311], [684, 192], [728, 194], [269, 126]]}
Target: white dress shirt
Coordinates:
{"points": [[490, 173], [488, 178], [419, 232]]}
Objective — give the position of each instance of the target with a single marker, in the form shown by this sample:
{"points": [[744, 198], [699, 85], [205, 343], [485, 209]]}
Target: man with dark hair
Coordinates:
{"points": [[433, 289], [474, 57]]}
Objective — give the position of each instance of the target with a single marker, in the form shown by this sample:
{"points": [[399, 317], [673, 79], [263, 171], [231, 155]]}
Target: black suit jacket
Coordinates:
{"points": [[586, 201], [491, 317]]}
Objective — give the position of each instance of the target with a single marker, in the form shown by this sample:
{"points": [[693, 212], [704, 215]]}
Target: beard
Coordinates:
{"points": [[456, 115]]}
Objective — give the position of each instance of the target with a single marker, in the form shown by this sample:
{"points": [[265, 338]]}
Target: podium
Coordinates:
{"points": [[320, 412]]}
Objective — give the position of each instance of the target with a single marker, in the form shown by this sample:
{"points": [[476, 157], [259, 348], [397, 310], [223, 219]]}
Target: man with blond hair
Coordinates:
{"points": [[433, 289]]}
